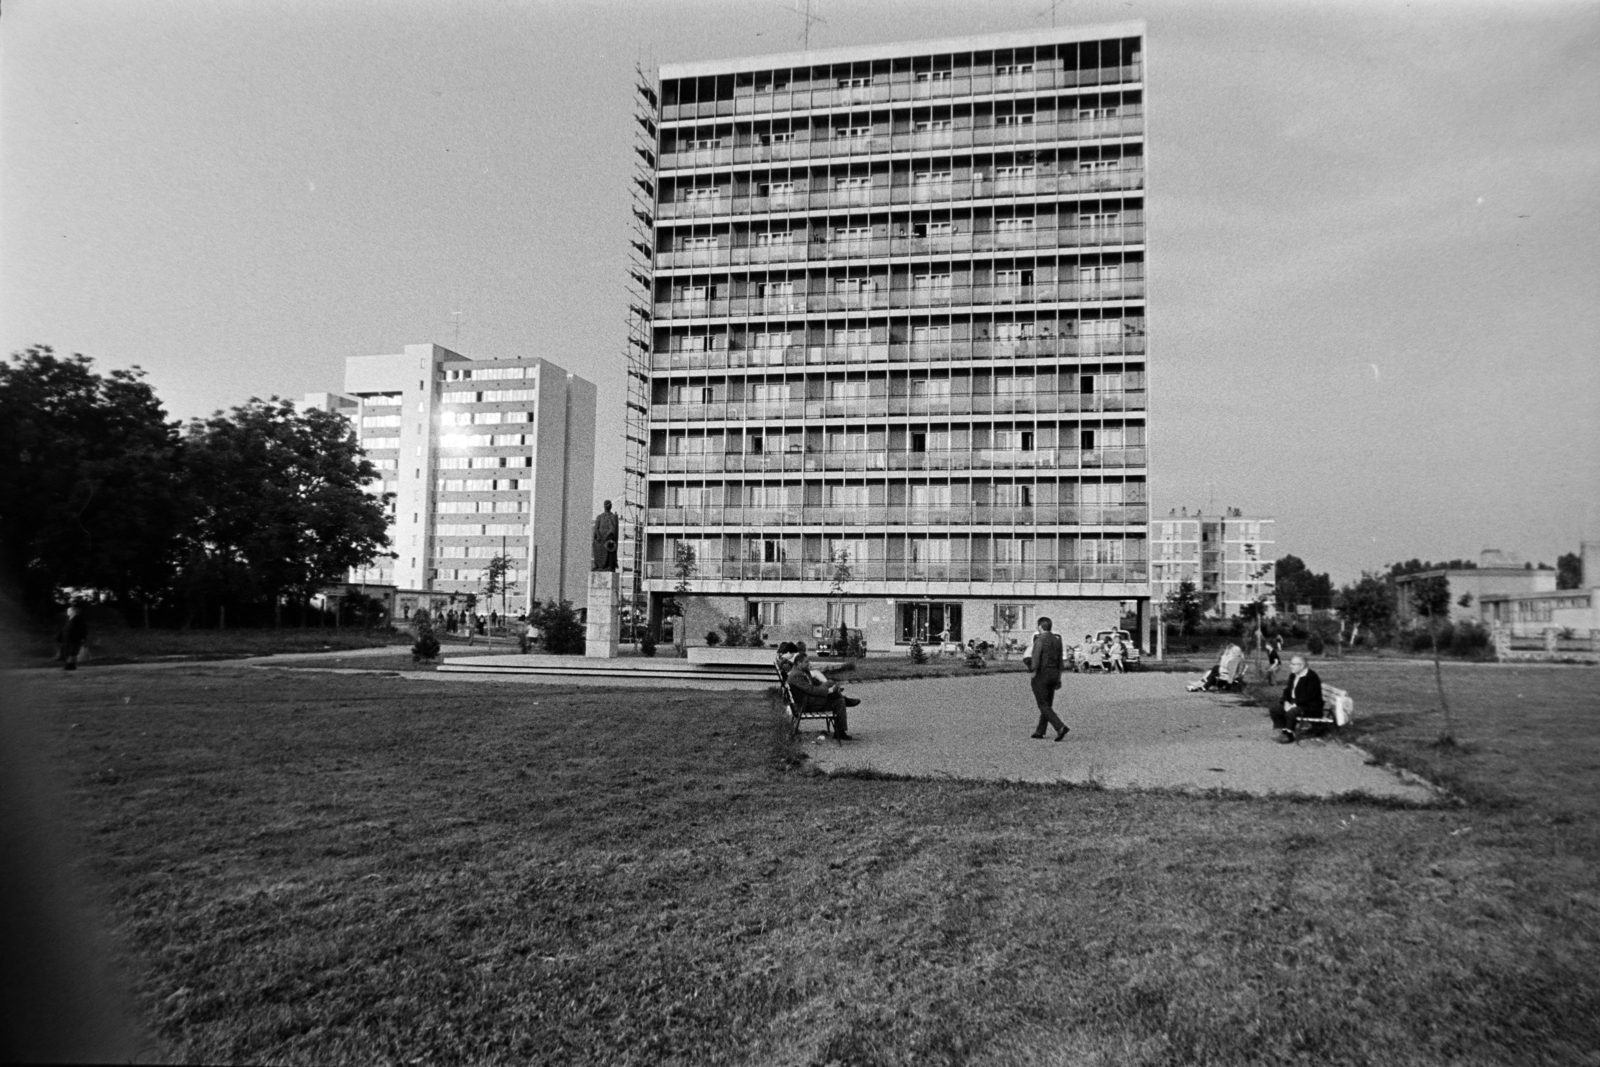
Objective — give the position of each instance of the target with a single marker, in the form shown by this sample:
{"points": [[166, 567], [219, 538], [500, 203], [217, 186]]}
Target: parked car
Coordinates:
{"points": [[1131, 659]]}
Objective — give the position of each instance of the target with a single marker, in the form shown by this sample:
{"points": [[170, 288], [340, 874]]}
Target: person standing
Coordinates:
{"points": [[1274, 657], [1044, 662], [73, 636], [1302, 696]]}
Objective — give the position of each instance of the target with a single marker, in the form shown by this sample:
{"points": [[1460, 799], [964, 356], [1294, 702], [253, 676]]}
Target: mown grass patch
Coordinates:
{"points": [[318, 868], [118, 644]]}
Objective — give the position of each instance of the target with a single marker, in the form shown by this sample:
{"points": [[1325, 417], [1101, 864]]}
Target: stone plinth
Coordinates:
{"points": [[605, 620]]}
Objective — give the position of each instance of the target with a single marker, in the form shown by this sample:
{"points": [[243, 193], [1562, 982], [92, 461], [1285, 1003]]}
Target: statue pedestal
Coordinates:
{"points": [[605, 620]]}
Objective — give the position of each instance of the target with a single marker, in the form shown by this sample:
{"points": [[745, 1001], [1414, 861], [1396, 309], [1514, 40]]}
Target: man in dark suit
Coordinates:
{"points": [[1302, 696], [1044, 662], [820, 694]]}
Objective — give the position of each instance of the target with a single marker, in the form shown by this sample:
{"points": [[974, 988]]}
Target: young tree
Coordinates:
{"points": [[90, 481], [280, 504], [1431, 598], [494, 584], [685, 565], [1183, 606], [842, 575]]}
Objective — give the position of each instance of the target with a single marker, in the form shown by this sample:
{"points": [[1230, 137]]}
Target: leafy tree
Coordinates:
{"points": [[280, 504], [1569, 571], [494, 584], [1368, 603], [1295, 584], [90, 487], [563, 633], [1184, 607]]}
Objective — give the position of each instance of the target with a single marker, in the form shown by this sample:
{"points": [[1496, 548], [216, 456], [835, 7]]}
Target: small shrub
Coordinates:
{"points": [[1470, 639], [426, 647], [917, 654], [855, 645], [1314, 644], [713, 638], [563, 633], [647, 645]]}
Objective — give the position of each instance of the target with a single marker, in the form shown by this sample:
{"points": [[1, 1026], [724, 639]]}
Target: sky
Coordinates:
{"points": [[1374, 228]]}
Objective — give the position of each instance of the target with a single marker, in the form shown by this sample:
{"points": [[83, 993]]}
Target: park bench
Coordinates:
{"points": [[797, 708], [1337, 709]]}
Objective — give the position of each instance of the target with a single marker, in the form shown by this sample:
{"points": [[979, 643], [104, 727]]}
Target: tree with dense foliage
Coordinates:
{"points": [[1184, 608], [1369, 603], [1569, 571], [563, 633], [1295, 585], [280, 508], [90, 481]]}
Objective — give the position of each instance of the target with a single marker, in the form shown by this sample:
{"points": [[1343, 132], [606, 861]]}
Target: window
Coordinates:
{"points": [[773, 340], [1086, 442], [929, 621], [772, 551], [930, 335], [931, 126], [855, 286], [852, 337], [930, 281], [930, 387], [853, 235], [1005, 69], [1099, 218], [1021, 170], [705, 144], [702, 192], [1014, 225], [691, 293], [1087, 114], [931, 177], [778, 191], [847, 496], [933, 75], [1017, 385], [768, 613], [851, 133], [848, 615], [1024, 118], [851, 390], [698, 242], [1013, 618], [696, 343], [769, 289], [1095, 166], [1013, 279], [930, 496], [373, 421], [855, 83], [1014, 331], [1100, 274], [1015, 496], [1013, 440], [775, 237], [776, 137]]}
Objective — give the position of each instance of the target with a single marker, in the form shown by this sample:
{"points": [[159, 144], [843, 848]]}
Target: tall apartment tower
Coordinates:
{"points": [[897, 338], [485, 458]]}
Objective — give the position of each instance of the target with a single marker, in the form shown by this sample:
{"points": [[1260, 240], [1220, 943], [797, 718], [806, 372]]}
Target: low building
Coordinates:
{"points": [[1498, 575], [1531, 613]]}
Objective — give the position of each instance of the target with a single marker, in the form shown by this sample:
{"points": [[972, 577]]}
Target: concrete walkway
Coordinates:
{"points": [[1131, 730]]}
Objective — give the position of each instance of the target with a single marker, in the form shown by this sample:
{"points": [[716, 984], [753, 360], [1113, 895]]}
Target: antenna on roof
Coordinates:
{"points": [[457, 316], [809, 16]]}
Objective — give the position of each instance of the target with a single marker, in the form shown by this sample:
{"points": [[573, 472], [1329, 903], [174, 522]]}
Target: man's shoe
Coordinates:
{"points": [[843, 737], [851, 702], [1037, 737], [1062, 736], [1285, 737]]}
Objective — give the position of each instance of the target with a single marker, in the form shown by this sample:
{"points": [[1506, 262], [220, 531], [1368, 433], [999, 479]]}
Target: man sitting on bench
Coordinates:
{"points": [[1302, 698], [819, 693]]}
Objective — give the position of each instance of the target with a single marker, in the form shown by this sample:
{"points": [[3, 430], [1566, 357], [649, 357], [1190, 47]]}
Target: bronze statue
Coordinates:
{"points": [[605, 540]]}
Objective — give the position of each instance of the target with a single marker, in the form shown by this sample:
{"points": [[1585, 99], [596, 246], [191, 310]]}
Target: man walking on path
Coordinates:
{"points": [[1044, 664], [73, 636]]}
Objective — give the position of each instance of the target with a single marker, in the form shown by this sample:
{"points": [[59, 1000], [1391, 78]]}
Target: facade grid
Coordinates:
{"points": [[898, 353]]}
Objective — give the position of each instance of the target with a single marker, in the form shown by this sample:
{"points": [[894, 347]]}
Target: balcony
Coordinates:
{"points": [[901, 352], [904, 515], [956, 244], [764, 103], [886, 195], [934, 460], [1019, 403], [879, 570], [887, 299]]}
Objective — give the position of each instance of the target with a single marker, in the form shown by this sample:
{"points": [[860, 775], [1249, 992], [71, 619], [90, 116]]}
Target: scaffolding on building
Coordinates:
{"points": [[641, 301]]}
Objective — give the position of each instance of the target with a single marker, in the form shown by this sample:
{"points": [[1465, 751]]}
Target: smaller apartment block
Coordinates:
{"points": [[1228, 558], [484, 458]]}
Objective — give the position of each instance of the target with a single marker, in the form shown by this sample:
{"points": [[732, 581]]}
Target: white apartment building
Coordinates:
{"points": [[1228, 557], [484, 458], [898, 318]]}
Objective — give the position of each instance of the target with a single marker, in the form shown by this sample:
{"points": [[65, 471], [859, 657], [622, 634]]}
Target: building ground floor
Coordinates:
{"points": [[889, 623]]}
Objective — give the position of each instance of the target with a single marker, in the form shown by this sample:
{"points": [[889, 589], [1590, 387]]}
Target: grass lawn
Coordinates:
{"points": [[317, 868], [109, 645]]}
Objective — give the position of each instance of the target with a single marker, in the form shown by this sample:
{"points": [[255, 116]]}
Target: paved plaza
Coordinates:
{"points": [[1133, 730]]}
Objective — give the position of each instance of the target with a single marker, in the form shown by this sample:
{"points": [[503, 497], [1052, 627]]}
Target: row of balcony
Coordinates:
{"points": [[937, 352], [964, 459], [1030, 135], [761, 103], [903, 195], [962, 244], [1027, 403], [876, 570], [884, 515], [944, 297]]}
